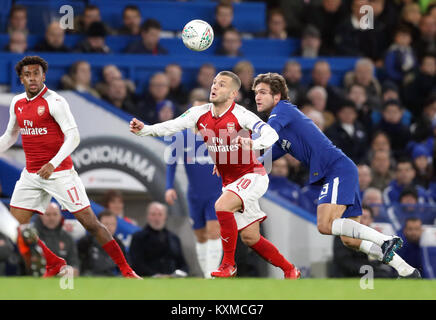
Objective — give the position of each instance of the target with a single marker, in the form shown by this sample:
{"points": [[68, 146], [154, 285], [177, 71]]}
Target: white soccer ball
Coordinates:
{"points": [[197, 35]]}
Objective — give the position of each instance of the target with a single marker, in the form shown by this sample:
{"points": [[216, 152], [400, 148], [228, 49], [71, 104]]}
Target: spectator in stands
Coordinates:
{"points": [[280, 184], [79, 78], [95, 40], [310, 43], [49, 228], [398, 133], [326, 17], [18, 19], [347, 262], [400, 58], [373, 198], [131, 21], [422, 129], [9, 258], [205, 77], [293, 75], [231, 44], [390, 91], [419, 85], [155, 98], [347, 133], [118, 95], [321, 75], [178, 92], [156, 251], [427, 37], [317, 117], [423, 166], [410, 17], [54, 39], [365, 177], [381, 168], [113, 201], [357, 94], [149, 43], [197, 94], [111, 72], [245, 71], [94, 261], [352, 40], [165, 110], [317, 96], [91, 14], [404, 178], [17, 42], [411, 249], [223, 18], [364, 74], [276, 25]]}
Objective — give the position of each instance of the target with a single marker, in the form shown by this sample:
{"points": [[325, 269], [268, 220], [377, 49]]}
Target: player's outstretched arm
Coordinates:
{"points": [[10, 136], [166, 128]]}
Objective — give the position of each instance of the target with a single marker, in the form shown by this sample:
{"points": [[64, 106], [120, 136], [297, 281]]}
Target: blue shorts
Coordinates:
{"points": [[202, 209], [341, 186]]}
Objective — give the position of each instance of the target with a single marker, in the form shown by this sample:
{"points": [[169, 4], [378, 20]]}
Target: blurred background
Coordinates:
{"points": [[363, 70]]}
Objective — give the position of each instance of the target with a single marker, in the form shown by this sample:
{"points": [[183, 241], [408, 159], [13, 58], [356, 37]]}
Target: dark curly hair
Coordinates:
{"points": [[29, 60], [276, 82]]}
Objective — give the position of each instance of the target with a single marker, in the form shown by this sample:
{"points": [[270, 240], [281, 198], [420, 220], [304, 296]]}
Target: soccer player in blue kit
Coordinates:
{"points": [[203, 191], [339, 204]]}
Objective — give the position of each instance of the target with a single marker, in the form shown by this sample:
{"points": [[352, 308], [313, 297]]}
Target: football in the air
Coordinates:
{"points": [[197, 35]]}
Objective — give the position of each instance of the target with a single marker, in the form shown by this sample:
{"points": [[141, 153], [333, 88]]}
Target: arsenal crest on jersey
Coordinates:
{"points": [[230, 127], [41, 110]]}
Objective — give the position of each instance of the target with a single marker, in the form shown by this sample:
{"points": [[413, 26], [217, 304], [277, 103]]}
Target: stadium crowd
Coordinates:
{"points": [[383, 115]]}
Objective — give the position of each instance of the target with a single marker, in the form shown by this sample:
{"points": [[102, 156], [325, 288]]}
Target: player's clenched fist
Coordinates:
{"points": [[46, 171], [136, 126], [245, 143]]}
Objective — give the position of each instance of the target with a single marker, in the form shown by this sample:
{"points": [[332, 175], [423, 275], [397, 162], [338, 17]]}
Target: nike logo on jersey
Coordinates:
{"points": [[272, 116], [322, 197]]}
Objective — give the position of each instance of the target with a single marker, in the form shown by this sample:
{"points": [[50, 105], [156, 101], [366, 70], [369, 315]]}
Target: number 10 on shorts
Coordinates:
{"points": [[243, 183]]}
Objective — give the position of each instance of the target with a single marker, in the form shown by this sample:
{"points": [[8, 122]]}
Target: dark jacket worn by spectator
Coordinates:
{"points": [[44, 46], [347, 263], [156, 252], [354, 146], [94, 260], [59, 241]]}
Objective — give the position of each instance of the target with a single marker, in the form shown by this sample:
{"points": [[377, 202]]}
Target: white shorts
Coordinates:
{"points": [[249, 188], [34, 193]]}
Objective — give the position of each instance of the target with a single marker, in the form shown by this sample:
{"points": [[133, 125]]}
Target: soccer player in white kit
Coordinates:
{"points": [[49, 134], [223, 125]]}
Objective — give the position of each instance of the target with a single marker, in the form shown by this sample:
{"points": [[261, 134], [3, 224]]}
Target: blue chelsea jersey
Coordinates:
{"points": [[301, 138]]}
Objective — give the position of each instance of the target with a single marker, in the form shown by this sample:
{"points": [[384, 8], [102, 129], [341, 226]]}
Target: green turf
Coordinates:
{"points": [[214, 289]]}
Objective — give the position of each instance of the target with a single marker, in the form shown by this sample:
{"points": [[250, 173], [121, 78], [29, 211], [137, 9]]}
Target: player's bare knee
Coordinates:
{"points": [[350, 242], [324, 227], [249, 239]]}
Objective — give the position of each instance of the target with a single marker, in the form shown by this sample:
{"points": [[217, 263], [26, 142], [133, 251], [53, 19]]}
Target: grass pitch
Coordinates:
{"points": [[27, 288]]}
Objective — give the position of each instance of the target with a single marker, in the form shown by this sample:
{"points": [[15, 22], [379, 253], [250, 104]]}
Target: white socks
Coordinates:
{"points": [[353, 229], [374, 251], [214, 255], [209, 255], [201, 249]]}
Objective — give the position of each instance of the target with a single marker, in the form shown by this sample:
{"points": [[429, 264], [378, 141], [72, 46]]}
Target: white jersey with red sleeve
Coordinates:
{"points": [[219, 133], [42, 121]]}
